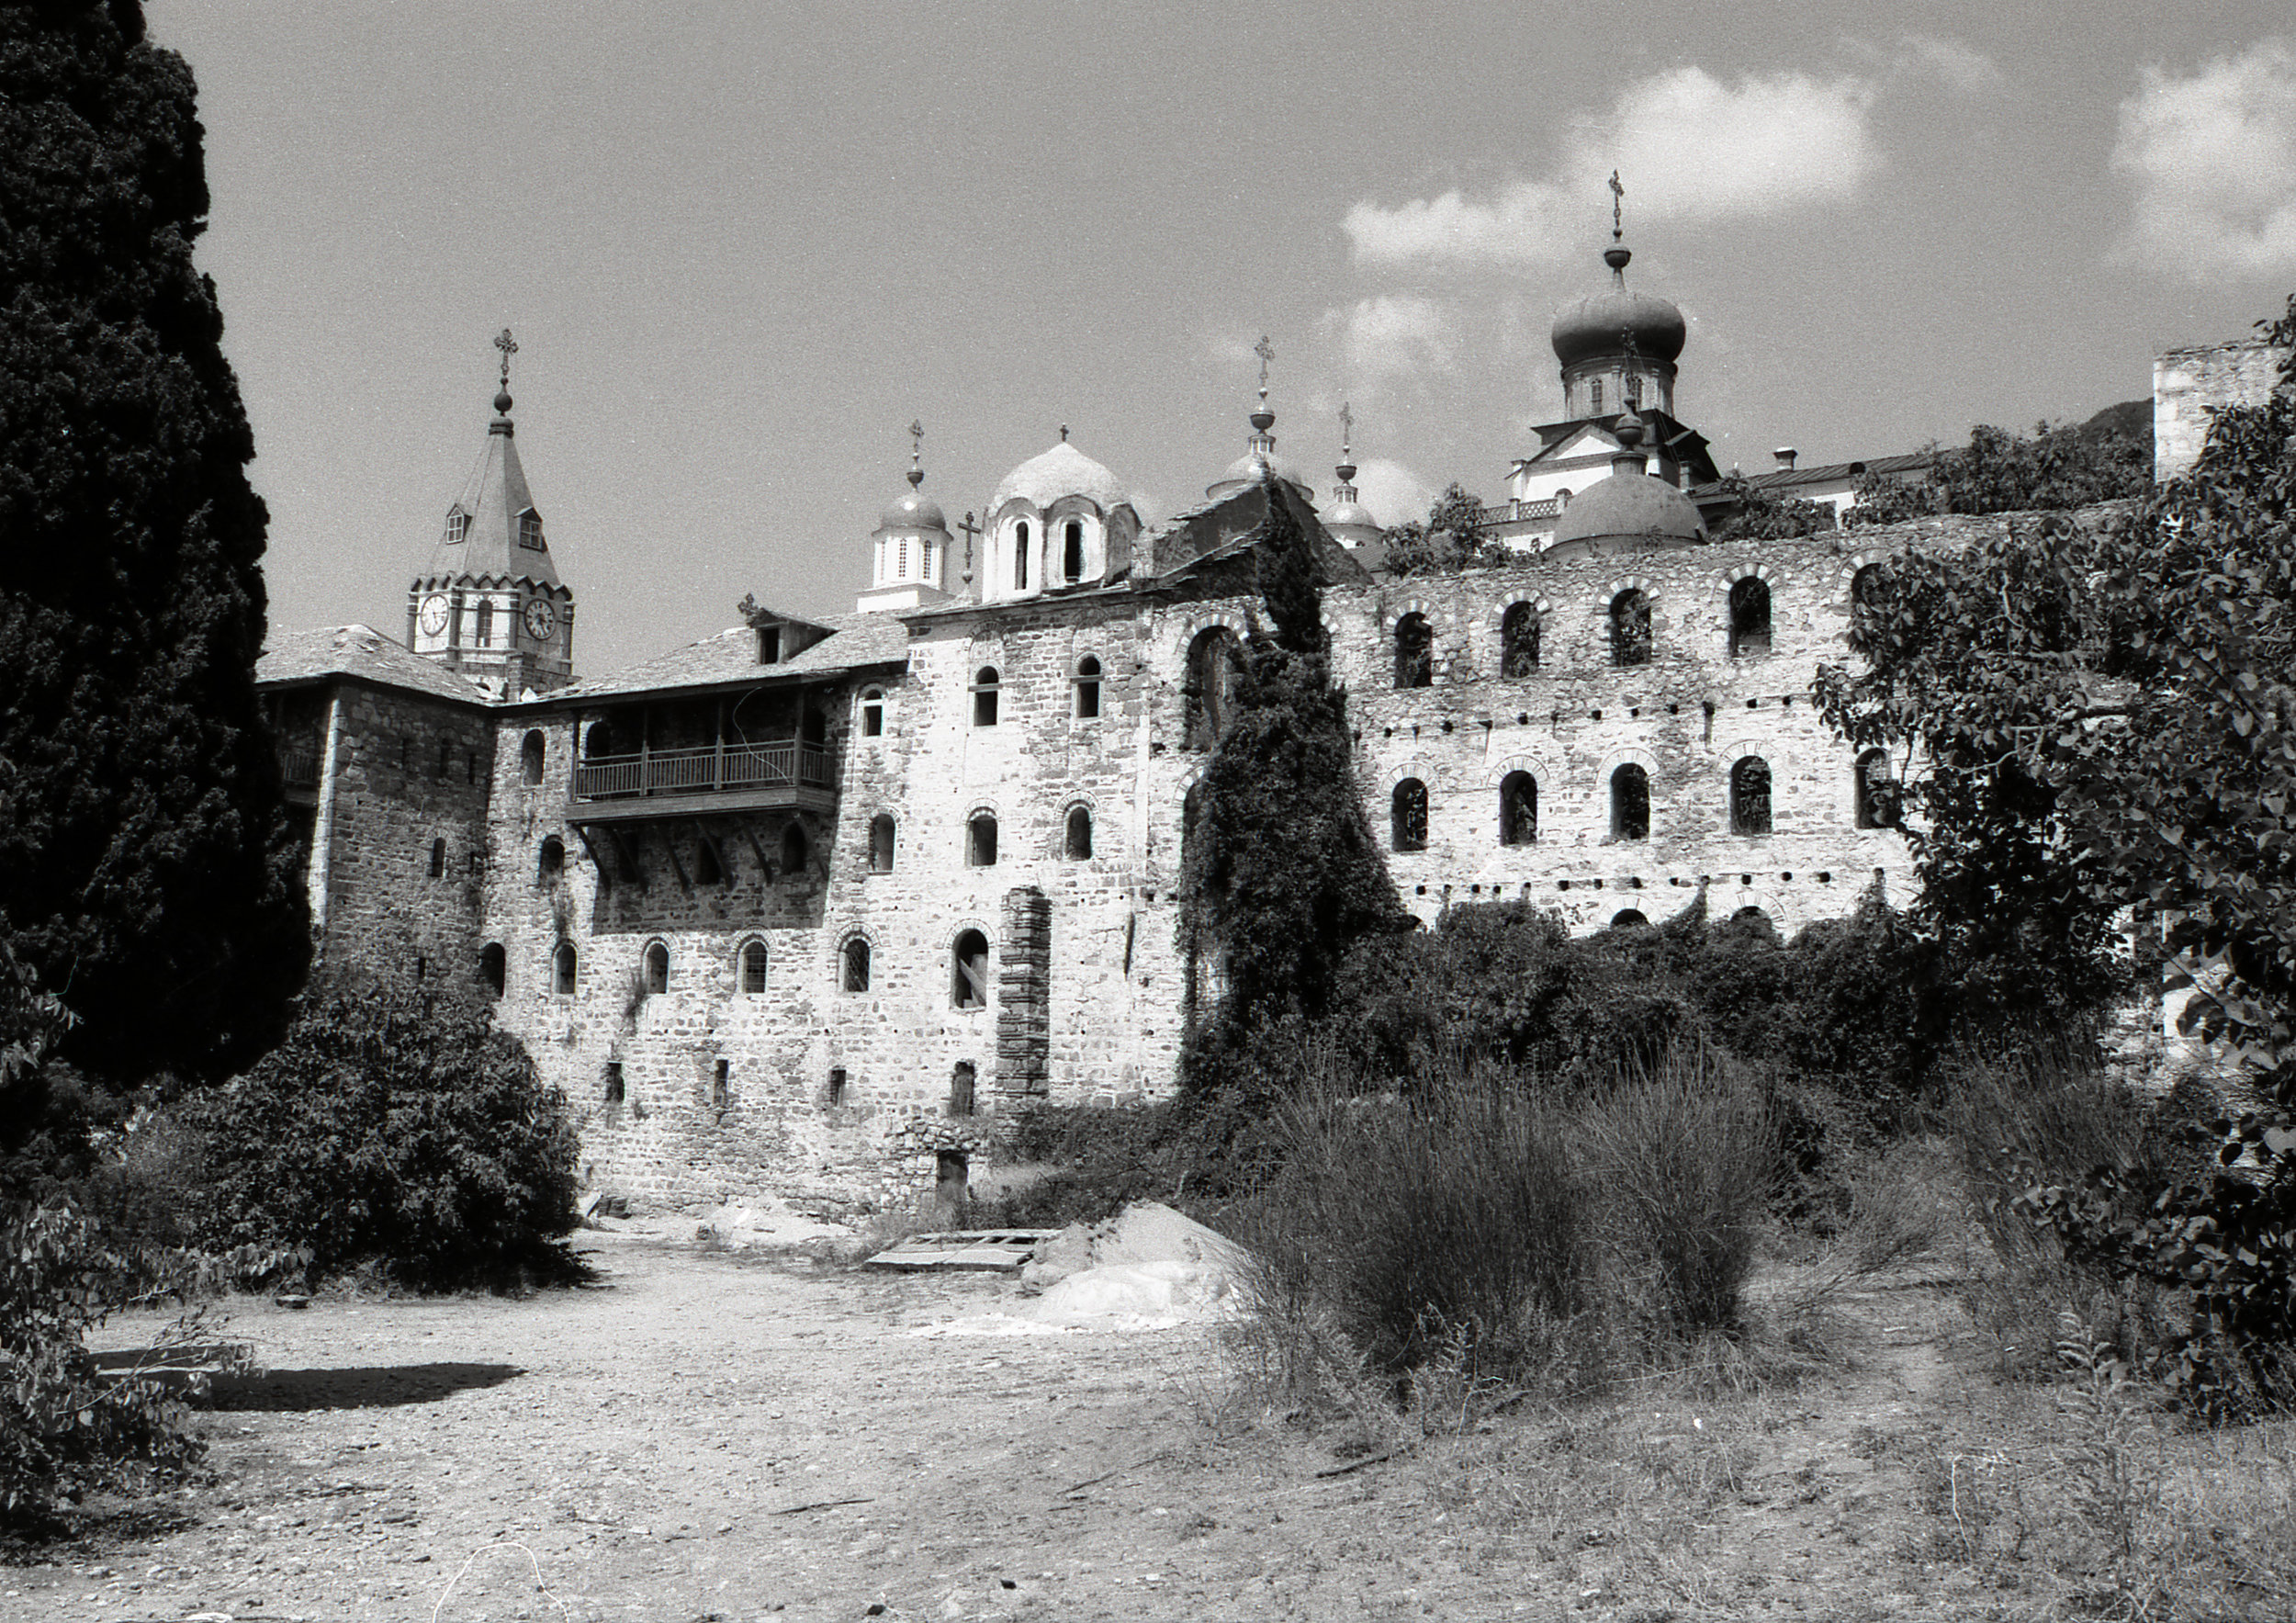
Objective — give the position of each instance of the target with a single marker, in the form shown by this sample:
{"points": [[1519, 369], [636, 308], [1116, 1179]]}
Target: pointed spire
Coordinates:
{"points": [[493, 531]]}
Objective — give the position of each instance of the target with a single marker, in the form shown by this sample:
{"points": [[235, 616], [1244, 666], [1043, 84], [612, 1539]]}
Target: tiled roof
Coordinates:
{"points": [[730, 658], [363, 652], [1787, 478]]}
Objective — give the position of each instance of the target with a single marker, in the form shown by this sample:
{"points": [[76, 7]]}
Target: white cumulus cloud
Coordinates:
{"points": [[1393, 492], [2213, 161], [1392, 335]]}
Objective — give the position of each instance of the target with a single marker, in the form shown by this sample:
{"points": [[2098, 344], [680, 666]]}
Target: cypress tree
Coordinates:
{"points": [[145, 874]]}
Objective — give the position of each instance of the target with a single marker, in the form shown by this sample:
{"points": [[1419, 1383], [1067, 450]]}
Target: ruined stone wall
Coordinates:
{"points": [[411, 772], [2187, 382]]}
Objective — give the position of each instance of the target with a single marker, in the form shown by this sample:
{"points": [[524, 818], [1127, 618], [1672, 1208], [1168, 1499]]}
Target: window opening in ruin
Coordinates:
{"points": [[1630, 803], [1072, 552], [493, 967], [446, 757], [562, 967], [721, 1086], [706, 868], [656, 971], [854, 974], [1876, 790], [1407, 811], [1414, 652], [550, 862], [470, 767], [1020, 556], [980, 841], [1750, 796], [438, 859], [1079, 840], [615, 1092], [985, 688], [793, 851], [952, 1181], [421, 969], [961, 1081], [753, 962], [873, 713], [836, 1086], [1755, 922], [484, 637], [1518, 809], [1630, 629], [1087, 689], [1213, 661], [1750, 618], [881, 843], [1518, 640], [1628, 918], [1865, 586], [968, 987]]}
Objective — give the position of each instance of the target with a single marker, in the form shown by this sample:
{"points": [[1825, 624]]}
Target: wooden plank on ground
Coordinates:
{"points": [[1004, 1249]]}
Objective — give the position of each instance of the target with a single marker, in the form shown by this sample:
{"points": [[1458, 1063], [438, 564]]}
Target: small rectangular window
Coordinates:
{"points": [[721, 1085], [836, 1086], [613, 1082]]}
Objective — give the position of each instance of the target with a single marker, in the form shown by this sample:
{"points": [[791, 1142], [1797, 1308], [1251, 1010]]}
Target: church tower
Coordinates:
{"points": [[491, 604]]}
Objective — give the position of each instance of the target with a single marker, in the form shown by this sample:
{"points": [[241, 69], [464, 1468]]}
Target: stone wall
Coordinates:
{"points": [[2187, 382]]}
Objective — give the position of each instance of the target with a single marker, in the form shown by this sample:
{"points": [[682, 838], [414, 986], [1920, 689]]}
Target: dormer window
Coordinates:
{"points": [[457, 525], [769, 645], [530, 530]]}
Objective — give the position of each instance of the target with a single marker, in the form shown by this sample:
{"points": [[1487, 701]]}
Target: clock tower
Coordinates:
{"points": [[491, 604]]}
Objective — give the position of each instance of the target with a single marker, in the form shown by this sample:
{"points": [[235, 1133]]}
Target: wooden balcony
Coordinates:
{"points": [[782, 774], [298, 769]]}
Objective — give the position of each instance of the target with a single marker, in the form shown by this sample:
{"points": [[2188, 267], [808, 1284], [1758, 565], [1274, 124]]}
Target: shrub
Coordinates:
{"points": [[395, 1127]]}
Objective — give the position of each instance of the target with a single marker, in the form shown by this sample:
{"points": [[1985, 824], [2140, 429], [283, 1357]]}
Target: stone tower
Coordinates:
{"points": [[491, 604]]}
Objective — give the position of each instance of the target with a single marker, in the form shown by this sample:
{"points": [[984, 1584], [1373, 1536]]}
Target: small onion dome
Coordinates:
{"points": [[1346, 514], [1248, 468], [1064, 470], [1598, 323], [913, 512], [1630, 504]]}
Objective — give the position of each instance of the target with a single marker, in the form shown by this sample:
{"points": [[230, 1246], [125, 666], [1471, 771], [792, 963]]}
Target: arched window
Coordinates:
{"points": [[493, 967], [1597, 397], [1407, 812], [1078, 842], [1630, 803], [961, 1085], [1213, 661], [1876, 790], [1414, 651], [854, 973], [1865, 587], [873, 713], [656, 967], [1518, 809], [597, 742], [1073, 551], [1753, 921], [793, 851], [881, 843], [1750, 618], [968, 978], [980, 840], [1518, 640], [984, 687], [753, 965], [1020, 556], [1087, 689], [1628, 918], [530, 756], [438, 859], [550, 862], [562, 968], [485, 634], [1630, 629], [1750, 796]]}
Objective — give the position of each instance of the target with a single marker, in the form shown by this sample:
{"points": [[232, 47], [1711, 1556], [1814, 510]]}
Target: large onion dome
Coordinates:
{"points": [[1064, 470], [1601, 323]]}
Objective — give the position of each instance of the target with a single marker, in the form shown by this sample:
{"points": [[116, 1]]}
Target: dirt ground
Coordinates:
{"points": [[710, 1435]]}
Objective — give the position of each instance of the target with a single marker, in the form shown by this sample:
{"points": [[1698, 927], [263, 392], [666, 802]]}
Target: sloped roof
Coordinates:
{"points": [[730, 659], [1784, 480], [363, 653], [494, 499]]}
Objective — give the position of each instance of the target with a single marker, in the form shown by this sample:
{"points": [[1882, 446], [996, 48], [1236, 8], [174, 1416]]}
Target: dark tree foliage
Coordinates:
{"points": [[1280, 873], [394, 1126], [2108, 458], [143, 860], [1454, 537], [1756, 515]]}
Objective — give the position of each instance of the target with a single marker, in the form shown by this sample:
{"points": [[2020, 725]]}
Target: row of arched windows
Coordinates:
{"points": [[988, 687], [968, 968], [1749, 803], [1520, 634]]}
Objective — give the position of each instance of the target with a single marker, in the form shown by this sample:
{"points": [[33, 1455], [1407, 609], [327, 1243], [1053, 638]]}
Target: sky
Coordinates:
{"points": [[742, 246]]}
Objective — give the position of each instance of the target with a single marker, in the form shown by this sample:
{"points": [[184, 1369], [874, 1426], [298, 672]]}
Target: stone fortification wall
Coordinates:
{"points": [[406, 854], [2187, 383]]}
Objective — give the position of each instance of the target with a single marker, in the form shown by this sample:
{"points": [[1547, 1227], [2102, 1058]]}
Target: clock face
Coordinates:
{"points": [[541, 618], [433, 619]]}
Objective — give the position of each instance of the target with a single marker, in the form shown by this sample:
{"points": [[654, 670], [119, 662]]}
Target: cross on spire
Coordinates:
{"points": [[1266, 352], [509, 347], [1617, 196], [1347, 428], [917, 452]]}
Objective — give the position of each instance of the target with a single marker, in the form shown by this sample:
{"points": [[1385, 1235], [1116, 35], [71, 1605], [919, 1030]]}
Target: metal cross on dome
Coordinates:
{"points": [[1617, 196], [1346, 427], [1266, 352], [917, 440], [509, 347]]}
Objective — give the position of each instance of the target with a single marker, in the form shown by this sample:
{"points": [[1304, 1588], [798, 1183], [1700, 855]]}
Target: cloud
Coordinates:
{"points": [[1393, 335], [2212, 162], [1689, 145], [1924, 56], [1392, 492]]}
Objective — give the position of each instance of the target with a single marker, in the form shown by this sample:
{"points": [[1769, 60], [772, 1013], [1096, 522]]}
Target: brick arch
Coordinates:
{"points": [[1642, 583], [1848, 573], [1543, 772], [1419, 767], [1727, 894], [1540, 606], [1760, 572], [1772, 750], [1197, 625], [1392, 615], [1644, 758]]}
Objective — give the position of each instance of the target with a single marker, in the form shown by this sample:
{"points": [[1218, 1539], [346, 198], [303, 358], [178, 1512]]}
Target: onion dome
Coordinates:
{"points": [[1349, 522], [914, 511], [1606, 323], [1249, 467], [1629, 505], [1064, 470]]}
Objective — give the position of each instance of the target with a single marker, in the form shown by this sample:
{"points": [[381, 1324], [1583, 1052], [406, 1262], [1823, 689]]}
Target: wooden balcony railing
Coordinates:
{"points": [[299, 764], [1508, 512], [782, 764]]}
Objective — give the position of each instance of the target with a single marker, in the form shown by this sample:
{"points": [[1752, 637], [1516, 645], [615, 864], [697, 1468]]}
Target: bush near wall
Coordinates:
{"points": [[395, 1128]]}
